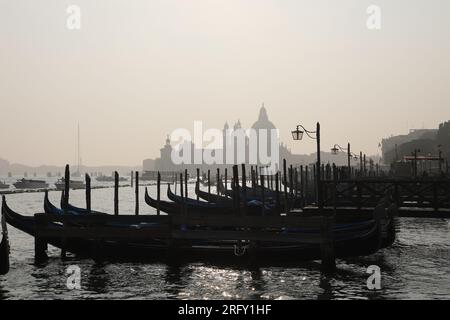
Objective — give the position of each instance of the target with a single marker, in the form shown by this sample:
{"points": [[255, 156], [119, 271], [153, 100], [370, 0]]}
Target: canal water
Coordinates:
{"points": [[417, 266]]}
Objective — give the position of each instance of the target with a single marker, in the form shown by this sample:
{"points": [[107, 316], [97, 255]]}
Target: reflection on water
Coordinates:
{"points": [[97, 280], [415, 267]]}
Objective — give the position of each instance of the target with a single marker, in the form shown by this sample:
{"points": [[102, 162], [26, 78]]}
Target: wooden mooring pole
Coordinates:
{"points": [[88, 192], [302, 186], [244, 190], [40, 243], [291, 186], [286, 197], [365, 165], [131, 183], [182, 194], [236, 191], [158, 194], [136, 191], [226, 181], [360, 163], [277, 193], [116, 193], [263, 198], [66, 188], [217, 181], [306, 192], [198, 183], [209, 185], [186, 183], [176, 179], [291, 180]]}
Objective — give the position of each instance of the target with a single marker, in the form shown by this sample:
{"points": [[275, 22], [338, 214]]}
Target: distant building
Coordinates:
{"points": [[165, 164], [4, 166], [388, 145], [149, 165]]}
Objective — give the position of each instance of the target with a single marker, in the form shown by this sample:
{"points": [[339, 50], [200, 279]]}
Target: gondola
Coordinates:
{"points": [[253, 207], [270, 196], [210, 197], [168, 207], [87, 247], [51, 208], [72, 210], [351, 239], [252, 195], [219, 198], [178, 206]]}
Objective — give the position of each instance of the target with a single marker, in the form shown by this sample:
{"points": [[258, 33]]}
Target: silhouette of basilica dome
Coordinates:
{"points": [[263, 121]]}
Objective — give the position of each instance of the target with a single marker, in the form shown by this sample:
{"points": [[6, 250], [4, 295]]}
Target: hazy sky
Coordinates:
{"points": [[139, 69]]}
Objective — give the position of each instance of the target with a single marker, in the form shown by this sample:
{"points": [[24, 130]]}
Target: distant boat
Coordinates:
{"points": [[30, 184], [3, 185], [103, 178], [76, 174], [73, 184]]}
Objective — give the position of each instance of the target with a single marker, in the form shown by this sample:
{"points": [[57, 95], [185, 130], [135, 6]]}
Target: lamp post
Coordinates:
{"points": [[335, 151], [298, 135]]}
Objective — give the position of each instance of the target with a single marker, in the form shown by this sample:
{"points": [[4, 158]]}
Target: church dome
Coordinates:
{"points": [[263, 121]]}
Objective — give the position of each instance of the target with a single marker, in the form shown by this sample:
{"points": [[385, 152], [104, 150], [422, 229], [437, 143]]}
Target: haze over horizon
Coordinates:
{"points": [[136, 71]]}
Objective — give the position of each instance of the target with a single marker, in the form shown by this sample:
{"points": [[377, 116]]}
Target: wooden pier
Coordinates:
{"points": [[288, 202], [414, 198]]}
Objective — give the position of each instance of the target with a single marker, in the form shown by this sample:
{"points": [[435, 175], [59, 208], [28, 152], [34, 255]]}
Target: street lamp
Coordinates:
{"points": [[335, 151], [298, 135]]}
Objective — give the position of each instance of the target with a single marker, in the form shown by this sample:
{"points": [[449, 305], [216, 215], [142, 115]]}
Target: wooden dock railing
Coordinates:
{"points": [[433, 194]]}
